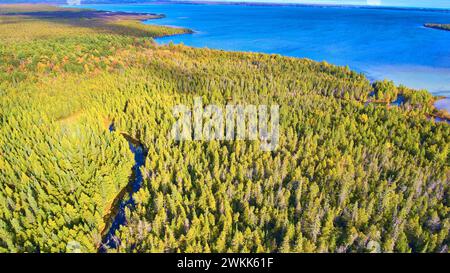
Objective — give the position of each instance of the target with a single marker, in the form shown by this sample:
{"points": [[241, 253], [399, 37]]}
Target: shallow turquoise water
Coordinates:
{"points": [[382, 43]]}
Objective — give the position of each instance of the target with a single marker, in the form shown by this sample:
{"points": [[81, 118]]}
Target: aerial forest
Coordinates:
{"points": [[351, 173]]}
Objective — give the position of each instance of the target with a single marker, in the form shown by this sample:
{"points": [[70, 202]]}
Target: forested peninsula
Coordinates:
{"points": [[439, 26]]}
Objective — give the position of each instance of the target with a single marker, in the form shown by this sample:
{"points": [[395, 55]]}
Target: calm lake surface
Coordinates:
{"points": [[382, 43]]}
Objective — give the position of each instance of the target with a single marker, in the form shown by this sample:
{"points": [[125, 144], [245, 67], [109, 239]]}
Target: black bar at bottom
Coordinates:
{"points": [[228, 262]]}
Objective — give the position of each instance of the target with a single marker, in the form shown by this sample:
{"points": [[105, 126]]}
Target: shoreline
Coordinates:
{"points": [[125, 15], [190, 31], [103, 18], [443, 27], [440, 113], [273, 4]]}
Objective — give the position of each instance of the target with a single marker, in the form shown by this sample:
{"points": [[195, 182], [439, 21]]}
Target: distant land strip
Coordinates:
{"points": [[439, 26]]}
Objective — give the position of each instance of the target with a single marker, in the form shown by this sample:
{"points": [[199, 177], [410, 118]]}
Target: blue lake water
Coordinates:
{"points": [[382, 43]]}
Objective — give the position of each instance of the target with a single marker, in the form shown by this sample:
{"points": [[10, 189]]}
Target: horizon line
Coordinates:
{"points": [[268, 3]]}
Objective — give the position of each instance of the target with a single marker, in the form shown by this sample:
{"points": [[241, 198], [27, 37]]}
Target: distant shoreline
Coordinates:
{"points": [[444, 27], [212, 3], [276, 4]]}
